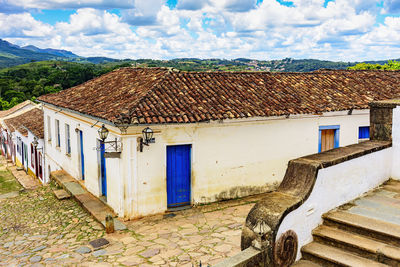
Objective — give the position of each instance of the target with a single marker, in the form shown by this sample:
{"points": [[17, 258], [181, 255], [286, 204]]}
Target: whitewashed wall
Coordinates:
{"points": [[396, 143], [336, 186], [57, 158], [231, 159]]}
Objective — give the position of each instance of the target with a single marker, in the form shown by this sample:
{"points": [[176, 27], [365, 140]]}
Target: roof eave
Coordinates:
{"points": [[79, 113]]}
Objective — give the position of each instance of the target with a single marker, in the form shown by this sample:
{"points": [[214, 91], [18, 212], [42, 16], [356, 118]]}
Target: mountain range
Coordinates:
{"points": [[13, 55]]}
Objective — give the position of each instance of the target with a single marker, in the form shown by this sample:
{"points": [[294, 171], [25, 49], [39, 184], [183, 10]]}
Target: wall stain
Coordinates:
{"points": [[241, 191]]}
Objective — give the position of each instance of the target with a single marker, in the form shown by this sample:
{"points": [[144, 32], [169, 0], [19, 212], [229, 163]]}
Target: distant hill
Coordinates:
{"points": [[13, 55], [56, 52]]}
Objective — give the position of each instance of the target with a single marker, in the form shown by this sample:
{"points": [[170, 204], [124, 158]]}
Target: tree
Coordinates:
{"points": [[390, 65]]}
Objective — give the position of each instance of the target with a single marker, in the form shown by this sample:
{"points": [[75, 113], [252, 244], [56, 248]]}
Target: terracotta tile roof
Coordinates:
{"points": [[4, 113], [154, 95], [31, 120]]}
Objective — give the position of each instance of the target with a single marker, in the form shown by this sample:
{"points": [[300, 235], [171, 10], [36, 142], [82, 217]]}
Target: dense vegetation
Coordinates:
{"points": [[390, 65], [31, 80]]}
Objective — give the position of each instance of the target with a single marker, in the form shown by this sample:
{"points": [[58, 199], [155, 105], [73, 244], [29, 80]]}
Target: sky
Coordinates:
{"points": [[339, 30]]}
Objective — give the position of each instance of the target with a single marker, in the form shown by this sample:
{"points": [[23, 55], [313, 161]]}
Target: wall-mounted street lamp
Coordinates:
{"points": [[147, 138], [35, 144], [103, 134]]}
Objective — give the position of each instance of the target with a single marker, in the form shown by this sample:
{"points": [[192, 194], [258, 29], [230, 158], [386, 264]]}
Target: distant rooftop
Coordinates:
{"points": [[5, 113], [31, 120], [157, 95]]}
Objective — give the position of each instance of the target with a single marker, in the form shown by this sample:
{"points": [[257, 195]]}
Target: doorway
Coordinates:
{"points": [[178, 175], [328, 137], [103, 174], [82, 156]]}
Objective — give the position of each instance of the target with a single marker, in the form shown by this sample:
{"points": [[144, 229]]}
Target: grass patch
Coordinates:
{"points": [[8, 182]]}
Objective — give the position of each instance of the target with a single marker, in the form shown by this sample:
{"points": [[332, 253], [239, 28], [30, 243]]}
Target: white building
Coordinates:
{"points": [[24, 133], [216, 135], [8, 147]]}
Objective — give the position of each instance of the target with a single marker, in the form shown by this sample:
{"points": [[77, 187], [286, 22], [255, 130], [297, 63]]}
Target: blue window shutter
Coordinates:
{"points": [[363, 132]]}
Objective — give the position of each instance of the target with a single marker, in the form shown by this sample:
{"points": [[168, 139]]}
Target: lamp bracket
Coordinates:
{"points": [[111, 146]]}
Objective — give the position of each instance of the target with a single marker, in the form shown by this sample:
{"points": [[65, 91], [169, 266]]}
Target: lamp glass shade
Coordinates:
{"points": [[147, 134], [35, 142], [103, 132]]}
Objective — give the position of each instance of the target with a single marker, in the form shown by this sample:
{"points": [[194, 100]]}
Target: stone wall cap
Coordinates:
{"points": [[390, 103]]}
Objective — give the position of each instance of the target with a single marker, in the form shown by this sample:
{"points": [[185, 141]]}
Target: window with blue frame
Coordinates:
{"points": [[363, 132], [328, 137]]}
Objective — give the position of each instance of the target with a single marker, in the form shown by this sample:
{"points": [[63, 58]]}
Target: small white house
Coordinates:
{"points": [[179, 138], [25, 133], [8, 147]]}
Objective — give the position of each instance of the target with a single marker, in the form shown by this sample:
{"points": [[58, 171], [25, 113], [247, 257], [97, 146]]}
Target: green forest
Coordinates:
{"points": [[31, 80], [390, 65]]}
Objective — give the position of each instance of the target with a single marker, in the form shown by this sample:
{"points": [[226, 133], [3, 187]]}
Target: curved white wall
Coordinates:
{"points": [[336, 186]]}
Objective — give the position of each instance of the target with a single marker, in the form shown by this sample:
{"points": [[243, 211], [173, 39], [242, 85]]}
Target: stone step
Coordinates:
{"points": [[93, 205], [305, 263], [369, 227], [362, 246], [392, 185], [331, 256]]}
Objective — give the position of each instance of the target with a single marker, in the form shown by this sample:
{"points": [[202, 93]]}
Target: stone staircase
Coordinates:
{"points": [[365, 232]]}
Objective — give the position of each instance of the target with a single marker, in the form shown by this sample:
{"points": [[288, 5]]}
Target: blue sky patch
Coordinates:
{"points": [[53, 16]]}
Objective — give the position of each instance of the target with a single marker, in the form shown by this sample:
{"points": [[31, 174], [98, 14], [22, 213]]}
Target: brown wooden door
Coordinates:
{"points": [[327, 139]]}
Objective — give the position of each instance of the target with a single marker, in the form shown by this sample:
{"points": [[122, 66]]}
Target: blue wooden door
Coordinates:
{"points": [[103, 170], [82, 156], [178, 175]]}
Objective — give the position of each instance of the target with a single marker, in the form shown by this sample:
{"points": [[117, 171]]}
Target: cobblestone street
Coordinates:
{"points": [[38, 229]]}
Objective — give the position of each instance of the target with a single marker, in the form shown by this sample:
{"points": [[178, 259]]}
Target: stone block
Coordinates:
{"points": [[74, 188], [61, 194]]}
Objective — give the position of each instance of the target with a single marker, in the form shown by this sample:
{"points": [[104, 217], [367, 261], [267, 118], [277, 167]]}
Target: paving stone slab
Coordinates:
{"points": [[9, 195], [83, 250], [99, 243], [150, 253], [39, 248], [35, 259], [100, 252]]}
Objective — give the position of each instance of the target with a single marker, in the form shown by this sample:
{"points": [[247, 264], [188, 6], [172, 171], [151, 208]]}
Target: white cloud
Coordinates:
{"points": [[144, 13], [23, 25], [340, 30]]}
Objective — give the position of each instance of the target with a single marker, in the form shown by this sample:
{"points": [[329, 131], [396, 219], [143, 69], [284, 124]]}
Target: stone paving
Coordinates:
{"points": [[39, 230]]}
